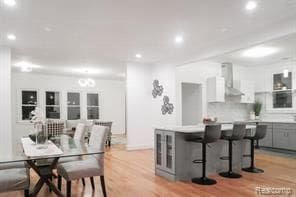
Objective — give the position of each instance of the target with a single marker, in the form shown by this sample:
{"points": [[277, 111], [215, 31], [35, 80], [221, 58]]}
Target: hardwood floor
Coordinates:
{"points": [[131, 174]]}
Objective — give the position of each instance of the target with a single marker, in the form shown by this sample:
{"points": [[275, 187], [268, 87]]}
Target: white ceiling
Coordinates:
{"points": [[286, 52], [61, 35]]}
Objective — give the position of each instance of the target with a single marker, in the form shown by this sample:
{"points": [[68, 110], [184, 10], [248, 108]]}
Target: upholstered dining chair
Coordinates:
{"points": [[79, 135], [55, 128], [107, 124], [90, 167], [14, 177], [80, 132]]}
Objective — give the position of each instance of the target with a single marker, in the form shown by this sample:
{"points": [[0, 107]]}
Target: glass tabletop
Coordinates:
{"points": [[67, 144]]}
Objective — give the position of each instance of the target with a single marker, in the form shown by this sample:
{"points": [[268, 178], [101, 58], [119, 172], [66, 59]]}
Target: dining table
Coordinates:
{"points": [[43, 158]]}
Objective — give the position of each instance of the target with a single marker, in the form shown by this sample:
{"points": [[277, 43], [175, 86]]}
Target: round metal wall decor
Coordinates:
{"points": [[167, 107], [157, 89]]}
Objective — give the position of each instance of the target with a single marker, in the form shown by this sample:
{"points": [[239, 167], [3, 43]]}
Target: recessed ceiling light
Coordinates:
{"points": [[87, 71], [179, 39], [251, 5], [259, 51], [11, 37], [10, 3], [223, 30], [138, 55], [47, 29], [26, 66]]}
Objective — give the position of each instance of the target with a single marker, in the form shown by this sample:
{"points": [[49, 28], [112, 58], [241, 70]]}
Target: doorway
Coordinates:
{"points": [[191, 103]]}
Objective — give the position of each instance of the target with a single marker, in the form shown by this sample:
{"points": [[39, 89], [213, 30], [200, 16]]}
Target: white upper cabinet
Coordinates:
{"points": [[246, 87], [216, 89]]}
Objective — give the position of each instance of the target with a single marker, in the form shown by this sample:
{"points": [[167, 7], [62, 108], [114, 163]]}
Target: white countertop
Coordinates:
{"points": [[264, 120], [198, 128]]}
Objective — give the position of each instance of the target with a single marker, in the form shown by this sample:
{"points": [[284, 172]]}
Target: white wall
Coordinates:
{"points": [[166, 75], [139, 111], [5, 101], [112, 98], [263, 87], [198, 72], [143, 111]]}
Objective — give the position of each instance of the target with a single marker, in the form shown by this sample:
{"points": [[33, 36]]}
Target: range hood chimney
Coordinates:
{"points": [[227, 73]]}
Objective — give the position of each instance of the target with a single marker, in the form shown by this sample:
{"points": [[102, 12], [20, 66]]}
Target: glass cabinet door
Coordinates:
{"points": [[158, 149], [169, 151]]}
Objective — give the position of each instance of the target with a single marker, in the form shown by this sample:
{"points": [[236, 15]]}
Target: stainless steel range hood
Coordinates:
{"points": [[227, 74]]}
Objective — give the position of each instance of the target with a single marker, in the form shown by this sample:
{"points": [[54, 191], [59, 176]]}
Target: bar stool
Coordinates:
{"points": [[212, 134], [238, 133], [260, 134]]}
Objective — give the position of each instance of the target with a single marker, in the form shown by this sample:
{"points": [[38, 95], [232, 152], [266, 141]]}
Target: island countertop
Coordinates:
{"points": [[198, 128]]}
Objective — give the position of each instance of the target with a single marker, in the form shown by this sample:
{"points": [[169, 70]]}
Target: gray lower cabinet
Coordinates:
{"points": [[165, 152], [284, 136], [280, 139]]}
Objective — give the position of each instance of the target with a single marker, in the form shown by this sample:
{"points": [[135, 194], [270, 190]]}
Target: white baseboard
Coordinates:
{"points": [[139, 147]]}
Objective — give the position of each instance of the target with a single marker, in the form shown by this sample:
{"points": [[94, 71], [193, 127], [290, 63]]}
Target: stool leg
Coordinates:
{"points": [[252, 168], [229, 173], [204, 180]]}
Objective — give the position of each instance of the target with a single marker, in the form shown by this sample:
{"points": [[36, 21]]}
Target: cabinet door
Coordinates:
{"points": [[292, 140], [267, 140], [158, 138], [280, 139], [169, 152]]}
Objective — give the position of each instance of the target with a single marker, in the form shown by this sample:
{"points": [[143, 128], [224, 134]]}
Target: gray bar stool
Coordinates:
{"points": [[260, 134], [238, 133], [212, 134]]}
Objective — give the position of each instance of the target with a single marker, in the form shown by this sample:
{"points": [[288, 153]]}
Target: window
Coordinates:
{"points": [[52, 105], [73, 101], [29, 103], [92, 106], [282, 91]]}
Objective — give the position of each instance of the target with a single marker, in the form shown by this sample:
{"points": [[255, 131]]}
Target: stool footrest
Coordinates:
{"points": [[197, 161], [246, 155], [224, 158]]}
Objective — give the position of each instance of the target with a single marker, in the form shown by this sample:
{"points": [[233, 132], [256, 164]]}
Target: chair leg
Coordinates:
{"points": [[59, 182], [252, 168], [92, 182], [68, 188], [26, 193], [229, 173], [204, 180], [83, 181], [50, 178], [103, 186]]}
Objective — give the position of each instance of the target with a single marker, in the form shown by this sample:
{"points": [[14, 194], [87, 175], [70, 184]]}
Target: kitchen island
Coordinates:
{"points": [[174, 155]]}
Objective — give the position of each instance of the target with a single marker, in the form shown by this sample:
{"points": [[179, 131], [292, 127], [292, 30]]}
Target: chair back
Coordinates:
{"points": [[98, 136], [239, 131], [80, 132], [55, 128], [260, 132], [212, 133]]}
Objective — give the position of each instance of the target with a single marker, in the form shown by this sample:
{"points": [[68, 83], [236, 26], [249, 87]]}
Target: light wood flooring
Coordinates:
{"points": [[131, 174]]}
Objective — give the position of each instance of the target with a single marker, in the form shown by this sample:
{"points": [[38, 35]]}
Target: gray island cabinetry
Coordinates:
{"points": [[174, 155]]}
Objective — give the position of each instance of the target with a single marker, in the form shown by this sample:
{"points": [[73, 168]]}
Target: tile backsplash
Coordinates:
{"points": [[229, 111]]}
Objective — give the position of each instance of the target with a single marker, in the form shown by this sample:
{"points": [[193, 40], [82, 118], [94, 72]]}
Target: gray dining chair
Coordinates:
{"points": [[14, 177], [90, 167]]}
